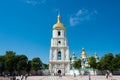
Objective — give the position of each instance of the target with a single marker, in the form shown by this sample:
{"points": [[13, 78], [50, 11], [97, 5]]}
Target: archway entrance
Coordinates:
{"points": [[59, 72]]}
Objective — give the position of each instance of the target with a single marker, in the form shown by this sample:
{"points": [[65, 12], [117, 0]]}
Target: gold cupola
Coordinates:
{"points": [[83, 53], [58, 25]]}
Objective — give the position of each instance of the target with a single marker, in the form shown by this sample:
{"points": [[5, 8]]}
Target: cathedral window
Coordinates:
{"points": [[59, 33], [59, 56]]}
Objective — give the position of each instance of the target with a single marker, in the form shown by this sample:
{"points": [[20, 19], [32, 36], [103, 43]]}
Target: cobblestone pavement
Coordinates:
{"points": [[69, 78]]}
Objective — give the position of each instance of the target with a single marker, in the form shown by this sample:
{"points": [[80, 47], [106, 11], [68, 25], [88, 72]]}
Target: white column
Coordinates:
{"points": [[61, 42], [51, 54], [67, 54], [62, 33], [55, 54], [55, 42], [68, 67], [55, 33], [50, 67], [62, 50], [55, 70], [65, 42]]}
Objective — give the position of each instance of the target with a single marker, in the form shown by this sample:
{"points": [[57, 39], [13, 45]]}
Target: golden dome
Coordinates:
{"points": [[83, 53], [58, 25]]}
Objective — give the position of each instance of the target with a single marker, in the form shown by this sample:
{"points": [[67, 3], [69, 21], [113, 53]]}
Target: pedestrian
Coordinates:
{"points": [[14, 78], [26, 75], [110, 75], [107, 75], [21, 77], [89, 76]]}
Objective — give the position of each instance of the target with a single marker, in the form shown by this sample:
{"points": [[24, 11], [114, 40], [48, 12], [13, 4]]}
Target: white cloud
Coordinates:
{"points": [[74, 21], [81, 16], [35, 2]]}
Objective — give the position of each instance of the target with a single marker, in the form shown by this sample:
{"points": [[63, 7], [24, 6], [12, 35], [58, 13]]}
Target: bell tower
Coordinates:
{"points": [[59, 62]]}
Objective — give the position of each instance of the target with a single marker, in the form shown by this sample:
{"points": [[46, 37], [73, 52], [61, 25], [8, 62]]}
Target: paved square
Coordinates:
{"points": [[69, 78]]}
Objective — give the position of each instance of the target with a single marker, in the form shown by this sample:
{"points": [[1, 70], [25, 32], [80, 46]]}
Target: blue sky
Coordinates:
{"points": [[26, 26]]}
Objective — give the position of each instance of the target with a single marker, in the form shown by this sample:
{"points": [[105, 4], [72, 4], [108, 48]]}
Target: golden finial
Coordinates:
{"points": [[83, 49], [58, 17]]}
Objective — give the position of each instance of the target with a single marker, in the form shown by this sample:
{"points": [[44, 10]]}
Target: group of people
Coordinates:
{"points": [[24, 77], [108, 75]]}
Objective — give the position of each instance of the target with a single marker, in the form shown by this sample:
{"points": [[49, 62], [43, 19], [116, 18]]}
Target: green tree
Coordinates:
{"points": [[1, 64], [77, 64], [107, 62], [115, 63], [22, 61], [28, 66], [36, 64], [92, 62], [10, 61], [46, 66]]}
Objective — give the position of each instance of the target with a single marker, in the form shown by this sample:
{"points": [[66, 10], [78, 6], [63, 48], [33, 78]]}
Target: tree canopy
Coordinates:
{"points": [[109, 62], [77, 64], [11, 62], [36, 64], [92, 62]]}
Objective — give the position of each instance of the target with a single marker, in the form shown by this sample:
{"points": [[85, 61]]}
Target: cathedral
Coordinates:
{"points": [[60, 61]]}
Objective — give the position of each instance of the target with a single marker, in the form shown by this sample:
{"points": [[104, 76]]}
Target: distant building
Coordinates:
{"points": [[84, 59], [72, 59], [96, 57]]}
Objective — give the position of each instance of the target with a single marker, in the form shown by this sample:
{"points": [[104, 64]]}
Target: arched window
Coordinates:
{"points": [[59, 55], [59, 33]]}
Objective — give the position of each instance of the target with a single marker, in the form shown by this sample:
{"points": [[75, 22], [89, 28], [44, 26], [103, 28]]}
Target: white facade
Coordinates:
{"points": [[59, 61]]}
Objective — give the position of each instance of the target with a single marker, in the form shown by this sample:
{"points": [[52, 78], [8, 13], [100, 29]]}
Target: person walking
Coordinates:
{"points": [[89, 76], [107, 75], [110, 75], [26, 75], [21, 77]]}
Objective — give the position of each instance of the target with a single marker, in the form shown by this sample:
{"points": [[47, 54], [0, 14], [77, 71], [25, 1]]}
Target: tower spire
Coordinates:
{"points": [[58, 25], [58, 21]]}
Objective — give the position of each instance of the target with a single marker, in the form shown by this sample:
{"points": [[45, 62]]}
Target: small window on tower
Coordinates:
{"points": [[59, 42], [58, 33]]}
